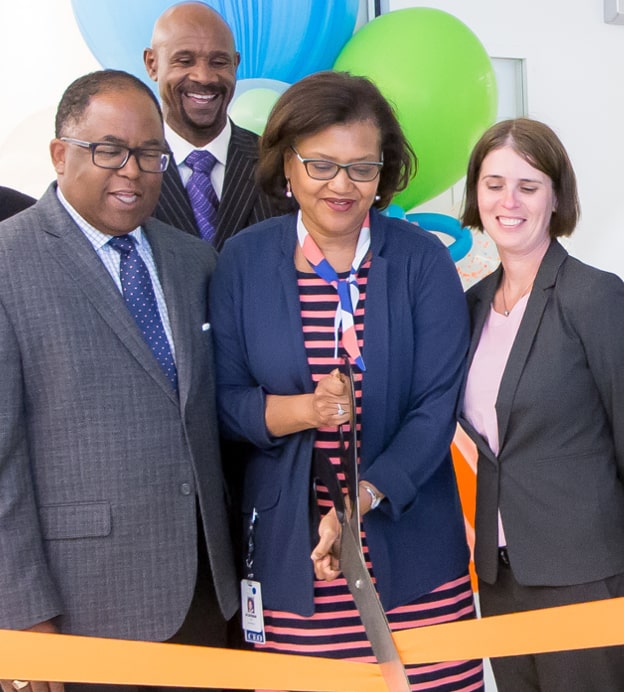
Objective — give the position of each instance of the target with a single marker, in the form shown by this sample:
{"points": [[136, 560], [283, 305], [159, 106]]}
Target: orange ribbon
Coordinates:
{"points": [[34, 656]]}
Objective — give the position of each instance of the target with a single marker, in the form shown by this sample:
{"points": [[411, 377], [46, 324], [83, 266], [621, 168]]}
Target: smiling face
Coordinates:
{"points": [[338, 206], [113, 201], [516, 202], [194, 61]]}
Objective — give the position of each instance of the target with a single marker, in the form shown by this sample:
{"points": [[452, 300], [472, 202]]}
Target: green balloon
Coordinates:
{"points": [[438, 77], [251, 109]]}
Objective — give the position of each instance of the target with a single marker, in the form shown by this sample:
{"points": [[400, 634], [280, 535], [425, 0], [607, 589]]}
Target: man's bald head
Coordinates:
{"points": [[194, 60], [190, 13]]}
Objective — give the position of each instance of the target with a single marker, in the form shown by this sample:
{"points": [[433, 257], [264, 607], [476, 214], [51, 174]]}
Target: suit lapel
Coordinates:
{"points": [[544, 281], [290, 322], [239, 187], [376, 346], [172, 278], [174, 206], [480, 301], [75, 254]]}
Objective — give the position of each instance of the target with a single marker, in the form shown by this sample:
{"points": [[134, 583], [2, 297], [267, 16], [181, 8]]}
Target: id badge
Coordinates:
{"points": [[253, 618]]}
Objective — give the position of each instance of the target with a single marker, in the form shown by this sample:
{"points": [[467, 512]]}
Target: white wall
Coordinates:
{"points": [[41, 53], [575, 83]]}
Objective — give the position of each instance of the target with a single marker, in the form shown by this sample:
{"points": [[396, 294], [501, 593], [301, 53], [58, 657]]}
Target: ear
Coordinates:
{"points": [[57, 154], [288, 163], [237, 59], [151, 63]]}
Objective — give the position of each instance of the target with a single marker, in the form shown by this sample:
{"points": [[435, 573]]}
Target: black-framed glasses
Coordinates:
{"points": [[359, 171], [115, 156]]}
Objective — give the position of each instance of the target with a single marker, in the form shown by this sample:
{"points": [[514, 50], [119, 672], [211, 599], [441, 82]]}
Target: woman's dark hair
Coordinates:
{"points": [[539, 146], [320, 101]]}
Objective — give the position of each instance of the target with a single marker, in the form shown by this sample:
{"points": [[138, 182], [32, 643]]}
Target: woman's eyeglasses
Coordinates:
{"points": [[359, 172]]}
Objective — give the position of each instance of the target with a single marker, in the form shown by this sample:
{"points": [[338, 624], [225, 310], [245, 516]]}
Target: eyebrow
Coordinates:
{"points": [[148, 143], [323, 157], [192, 53], [521, 180]]}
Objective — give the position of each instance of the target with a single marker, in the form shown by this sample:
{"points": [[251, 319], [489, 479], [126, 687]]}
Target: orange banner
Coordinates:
{"points": [[31, 656]]}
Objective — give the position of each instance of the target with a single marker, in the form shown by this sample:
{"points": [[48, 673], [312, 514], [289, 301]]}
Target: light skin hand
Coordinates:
{"points": [[37, 686]]}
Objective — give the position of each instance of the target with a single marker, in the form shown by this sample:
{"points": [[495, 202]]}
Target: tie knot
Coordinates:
{"points": [[122, 243], [201, 160]]}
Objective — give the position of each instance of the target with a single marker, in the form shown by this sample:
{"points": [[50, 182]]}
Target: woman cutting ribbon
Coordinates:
{"points": [[290, 298]]}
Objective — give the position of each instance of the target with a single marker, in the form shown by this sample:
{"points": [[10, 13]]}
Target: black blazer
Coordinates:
{"points": [[12, 202], [558, 475], [242, 202]]}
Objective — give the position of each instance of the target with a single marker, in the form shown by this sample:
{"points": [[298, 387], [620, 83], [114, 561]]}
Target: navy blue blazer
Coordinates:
{"points": [[415, 342]]}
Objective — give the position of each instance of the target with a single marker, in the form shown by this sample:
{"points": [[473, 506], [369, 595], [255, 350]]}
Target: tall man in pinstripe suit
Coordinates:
{"points": [[194, 60]]}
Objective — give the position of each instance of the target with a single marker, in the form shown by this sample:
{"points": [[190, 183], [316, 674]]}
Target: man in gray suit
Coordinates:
{"points": [[112, 505], [194, 60]]}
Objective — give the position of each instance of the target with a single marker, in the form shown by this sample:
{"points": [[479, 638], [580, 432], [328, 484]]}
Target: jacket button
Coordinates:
{"points": [[185, 488]]}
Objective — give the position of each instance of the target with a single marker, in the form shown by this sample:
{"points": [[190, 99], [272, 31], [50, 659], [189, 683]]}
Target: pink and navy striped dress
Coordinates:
{"points": [[335, 630]]}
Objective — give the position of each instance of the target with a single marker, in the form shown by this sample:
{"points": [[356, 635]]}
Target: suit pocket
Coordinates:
{"points": [[78, 520]]}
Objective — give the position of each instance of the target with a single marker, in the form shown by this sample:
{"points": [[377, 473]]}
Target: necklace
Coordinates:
{"points": [[505, 310]]}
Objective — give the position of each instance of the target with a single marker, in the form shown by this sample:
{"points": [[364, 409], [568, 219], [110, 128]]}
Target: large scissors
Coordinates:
{"points": [[352, 561]]}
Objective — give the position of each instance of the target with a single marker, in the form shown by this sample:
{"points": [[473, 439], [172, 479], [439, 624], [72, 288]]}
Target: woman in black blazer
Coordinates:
{"points": [[543, 401]]}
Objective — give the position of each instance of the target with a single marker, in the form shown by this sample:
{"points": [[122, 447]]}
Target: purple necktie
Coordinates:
{"points": [[203, 197], [140, 298]]}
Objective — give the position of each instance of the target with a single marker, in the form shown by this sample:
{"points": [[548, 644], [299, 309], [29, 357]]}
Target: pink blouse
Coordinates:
{"points": [[486, 372]]}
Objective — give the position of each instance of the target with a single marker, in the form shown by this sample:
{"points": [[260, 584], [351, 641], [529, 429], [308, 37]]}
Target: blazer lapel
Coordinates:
{"points": [[376, 347], [75, 254], [544, 281], [172, 275], [480, 304], [292, 324], [239, 187], [480, 300], [174, 206]]}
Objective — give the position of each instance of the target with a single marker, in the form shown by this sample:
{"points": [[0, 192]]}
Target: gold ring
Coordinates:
{"points": [[20, 684]]}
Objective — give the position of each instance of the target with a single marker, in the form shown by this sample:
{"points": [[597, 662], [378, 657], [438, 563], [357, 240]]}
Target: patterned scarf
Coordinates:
{"points": [[347, 289]]}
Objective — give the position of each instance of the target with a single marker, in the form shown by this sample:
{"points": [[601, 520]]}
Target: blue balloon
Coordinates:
{"points": [[449, 226], [277, 39], [394, 211]]}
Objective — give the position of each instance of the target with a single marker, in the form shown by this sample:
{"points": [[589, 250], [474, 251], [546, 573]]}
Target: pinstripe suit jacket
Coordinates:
{"points": [[102, 466], [242, 202]]}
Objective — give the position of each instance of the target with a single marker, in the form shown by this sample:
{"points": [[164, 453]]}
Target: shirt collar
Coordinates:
{"points": [[95, 237], [218, 147]]}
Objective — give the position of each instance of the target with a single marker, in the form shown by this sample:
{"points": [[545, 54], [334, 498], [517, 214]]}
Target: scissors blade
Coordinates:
{"points": [[354, 567]]}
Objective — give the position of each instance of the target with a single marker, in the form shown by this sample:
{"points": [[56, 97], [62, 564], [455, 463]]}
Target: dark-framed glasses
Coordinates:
{"points": [[359, 171], [115, 156]]}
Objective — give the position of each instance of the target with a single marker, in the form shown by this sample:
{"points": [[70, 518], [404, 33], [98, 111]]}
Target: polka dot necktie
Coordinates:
{"points": [[202, 195], [138, 293]]}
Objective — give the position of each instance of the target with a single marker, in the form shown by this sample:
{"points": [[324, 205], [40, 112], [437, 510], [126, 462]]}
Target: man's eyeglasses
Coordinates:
{"points": [[359, 172], [116, 156]]}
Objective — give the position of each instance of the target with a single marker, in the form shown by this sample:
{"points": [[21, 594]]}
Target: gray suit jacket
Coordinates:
{"points": [[242, 202], [101, 466], [558, 477]]}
